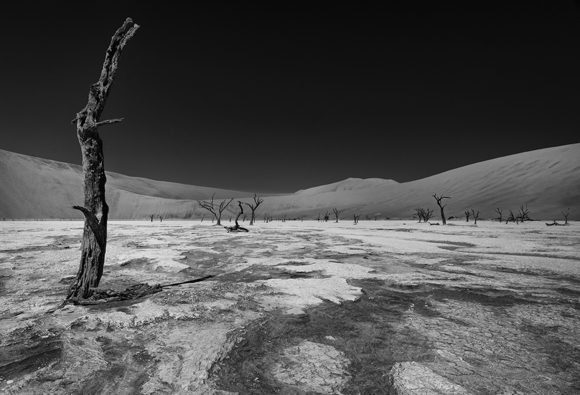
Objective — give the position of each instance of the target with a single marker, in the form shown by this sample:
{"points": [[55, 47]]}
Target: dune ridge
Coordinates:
{"points": [[546, 180]]}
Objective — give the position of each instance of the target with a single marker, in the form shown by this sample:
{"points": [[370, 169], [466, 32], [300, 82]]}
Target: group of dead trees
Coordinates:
{"points": [[522, 215], [217, 209], [471, 213], [423, 214]]}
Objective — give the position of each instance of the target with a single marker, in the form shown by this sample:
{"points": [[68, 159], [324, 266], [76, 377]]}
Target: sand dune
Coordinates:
{"points": [[546, 180]]}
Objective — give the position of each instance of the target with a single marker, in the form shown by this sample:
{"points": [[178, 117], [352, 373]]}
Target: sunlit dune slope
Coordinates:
{"points": [[546, 180]]}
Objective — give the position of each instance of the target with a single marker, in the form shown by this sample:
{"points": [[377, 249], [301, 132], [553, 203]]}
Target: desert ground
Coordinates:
{"points": [[382, 307]]}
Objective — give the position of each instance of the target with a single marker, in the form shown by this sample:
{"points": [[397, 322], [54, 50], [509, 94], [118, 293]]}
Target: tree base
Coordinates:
{"points": [[236, 228]]}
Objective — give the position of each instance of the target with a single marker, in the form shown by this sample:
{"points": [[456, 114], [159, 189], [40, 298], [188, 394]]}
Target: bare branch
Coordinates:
{"points": [[109, 121]]}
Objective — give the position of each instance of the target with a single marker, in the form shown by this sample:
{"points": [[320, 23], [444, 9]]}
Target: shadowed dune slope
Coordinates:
{"points": [[546, 180], [39, 188]]}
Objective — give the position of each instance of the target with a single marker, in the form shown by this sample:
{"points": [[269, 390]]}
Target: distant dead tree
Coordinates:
{"points": [[467, 215], [326, 216], [441, 206], [336, 214], [566, 214], [356, 217], [95, 209], [499, 212], [214, 209], [237, 227], [475, 215], [151, 216], [427, 214], [203, 215], [367, 217], [512, 218], [244, 218], [318, 219], [419, 213], [253, 207], [160, 218], [524, 214]]}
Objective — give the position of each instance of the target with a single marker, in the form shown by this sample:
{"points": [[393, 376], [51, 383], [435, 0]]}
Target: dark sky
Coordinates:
{"points": [[286, 95]]}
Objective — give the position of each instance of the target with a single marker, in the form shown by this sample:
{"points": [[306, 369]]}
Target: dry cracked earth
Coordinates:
{"points": [[383, 307]]}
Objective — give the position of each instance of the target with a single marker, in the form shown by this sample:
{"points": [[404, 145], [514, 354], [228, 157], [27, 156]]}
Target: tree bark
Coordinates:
{"points": [[96, 210]]}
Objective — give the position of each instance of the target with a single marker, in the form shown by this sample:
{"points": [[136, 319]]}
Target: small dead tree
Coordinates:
{"points": [[499, 212], [467, 215], [215, 209], [356, 217], [524, 214], [419, 212], [253, 207], [95, 209], [427, 214], [336, 214], [441, 206], [326, 216], [512, 218], [565, 214], [151, 216], [475, 215], [161, 218], [318, 219], [237, 227]]}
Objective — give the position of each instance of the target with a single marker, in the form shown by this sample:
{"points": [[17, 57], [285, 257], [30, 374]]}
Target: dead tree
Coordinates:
{"points": [[499, 212], [326, 216], [512, 218], [427, 214], [441, 206], [161, 218], [237, 227], [475, 215], [420, 213], [524, 213], [151, 216], [95, 209], [318, 219], [566, 214], [356, 217], [336, 214], [214, 209], [467, 215], [253, 207]]}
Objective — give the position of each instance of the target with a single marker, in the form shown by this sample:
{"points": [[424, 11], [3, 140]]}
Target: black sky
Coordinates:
{"points": [[287, 95]]}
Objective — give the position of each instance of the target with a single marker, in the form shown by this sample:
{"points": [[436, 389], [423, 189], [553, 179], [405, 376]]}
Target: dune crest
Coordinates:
{"points": [[547, 180]]}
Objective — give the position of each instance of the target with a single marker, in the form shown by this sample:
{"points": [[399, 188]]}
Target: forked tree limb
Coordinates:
{"points": [[94, 224]]}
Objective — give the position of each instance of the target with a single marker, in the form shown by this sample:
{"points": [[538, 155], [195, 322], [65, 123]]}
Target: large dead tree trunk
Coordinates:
{"points": [[95, 209]]}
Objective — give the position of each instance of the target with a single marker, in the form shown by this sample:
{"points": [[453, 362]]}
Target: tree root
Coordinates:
{"points": [[99, 296]]}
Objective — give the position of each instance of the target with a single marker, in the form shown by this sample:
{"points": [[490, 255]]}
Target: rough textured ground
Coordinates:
{"points": [[296, 308]]}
